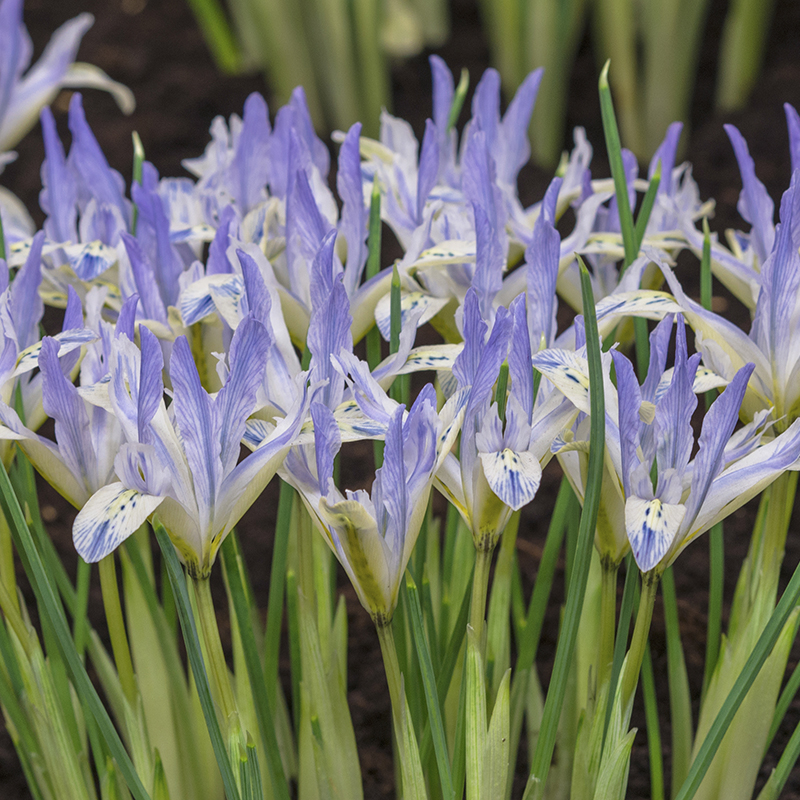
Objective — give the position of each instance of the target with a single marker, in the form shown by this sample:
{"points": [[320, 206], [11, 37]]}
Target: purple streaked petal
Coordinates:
{"points": [[651, 526], [109, 517], [755, 204], [428, 167], [390, 484], [59, 194], [250, 162], [198, 425], [138, 468], [26, 304], [167, 265], [541, 260], [489, 261], [519, 358], [793, 124], [443, 91], [62, 403], [87, 159], [513, 476], [630, 401], [127, 317], [151, 386], [486, 106], [659, 347], [465, 366], [515, 149], [673, 421], [718, 425], [666, 153], [236, 400], [327, 443], [227, 229], [353, 224], [145, 279]]}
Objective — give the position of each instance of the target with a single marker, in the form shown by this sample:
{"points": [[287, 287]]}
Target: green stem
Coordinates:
{"points": [[217, 668], [480, 588], [8, 574], [116, 628], [608, 619], [392, 667], [630, 675]]}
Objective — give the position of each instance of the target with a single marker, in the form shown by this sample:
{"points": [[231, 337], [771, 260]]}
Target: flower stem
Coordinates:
{"points": [[630, 675], [608, 618], [217, 668], [116, 628], [391, 666], [480, 588], [7, 569]]}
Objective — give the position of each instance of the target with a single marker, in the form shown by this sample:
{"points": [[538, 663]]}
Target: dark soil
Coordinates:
{"points": [[155, 48]]}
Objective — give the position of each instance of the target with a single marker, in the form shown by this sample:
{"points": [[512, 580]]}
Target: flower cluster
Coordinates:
{"points": [[187, 302]]}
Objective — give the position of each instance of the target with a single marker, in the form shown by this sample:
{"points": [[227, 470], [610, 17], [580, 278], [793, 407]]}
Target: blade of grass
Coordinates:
{"points": [[193, 653], [55, 614], [680, 701], [623, 628], [234, 566], [580, 571], [653, 732], [213, 22], [782, 706], [743, 683], [647, 206], [429, 686], [614, 148], [277, 584], [715, 541]]}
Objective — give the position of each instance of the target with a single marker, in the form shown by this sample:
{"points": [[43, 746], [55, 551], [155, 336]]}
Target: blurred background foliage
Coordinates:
{"points": [[341, 52]]}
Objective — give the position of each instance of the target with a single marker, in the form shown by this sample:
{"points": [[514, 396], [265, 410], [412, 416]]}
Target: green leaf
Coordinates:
{"points": [[277, 582], [234, 567], [429, 685], [459, 96], [585, 544], [54, 616], [193, 652], [647, 206], [614, 148], [736, 696], [680, 701]]}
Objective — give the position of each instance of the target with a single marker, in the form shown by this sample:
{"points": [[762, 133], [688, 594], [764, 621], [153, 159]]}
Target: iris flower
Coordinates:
{"points": [[669, 497], [773, 344], [373, 534], [182, 461]]}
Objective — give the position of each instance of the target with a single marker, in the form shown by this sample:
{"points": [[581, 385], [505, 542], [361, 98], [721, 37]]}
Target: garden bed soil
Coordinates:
{"points": [[155, 48]]}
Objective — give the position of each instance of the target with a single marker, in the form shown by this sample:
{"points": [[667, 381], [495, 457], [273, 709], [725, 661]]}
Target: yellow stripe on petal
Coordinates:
{"points": [[651, 526], [109, 517]]}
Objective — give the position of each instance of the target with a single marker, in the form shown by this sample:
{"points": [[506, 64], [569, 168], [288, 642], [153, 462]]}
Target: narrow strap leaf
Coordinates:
{"points": [[194, 654], [429, 685], [580, 570], [743, 683], [614, 148], [55, 615], [232, 563]]}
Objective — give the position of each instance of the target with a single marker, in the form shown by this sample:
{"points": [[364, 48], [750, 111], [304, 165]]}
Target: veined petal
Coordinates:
{"points": [[568, 372], [513, 476], [67, 340], [363, 555], [109, 517], [411, 303], [651, 526]]}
